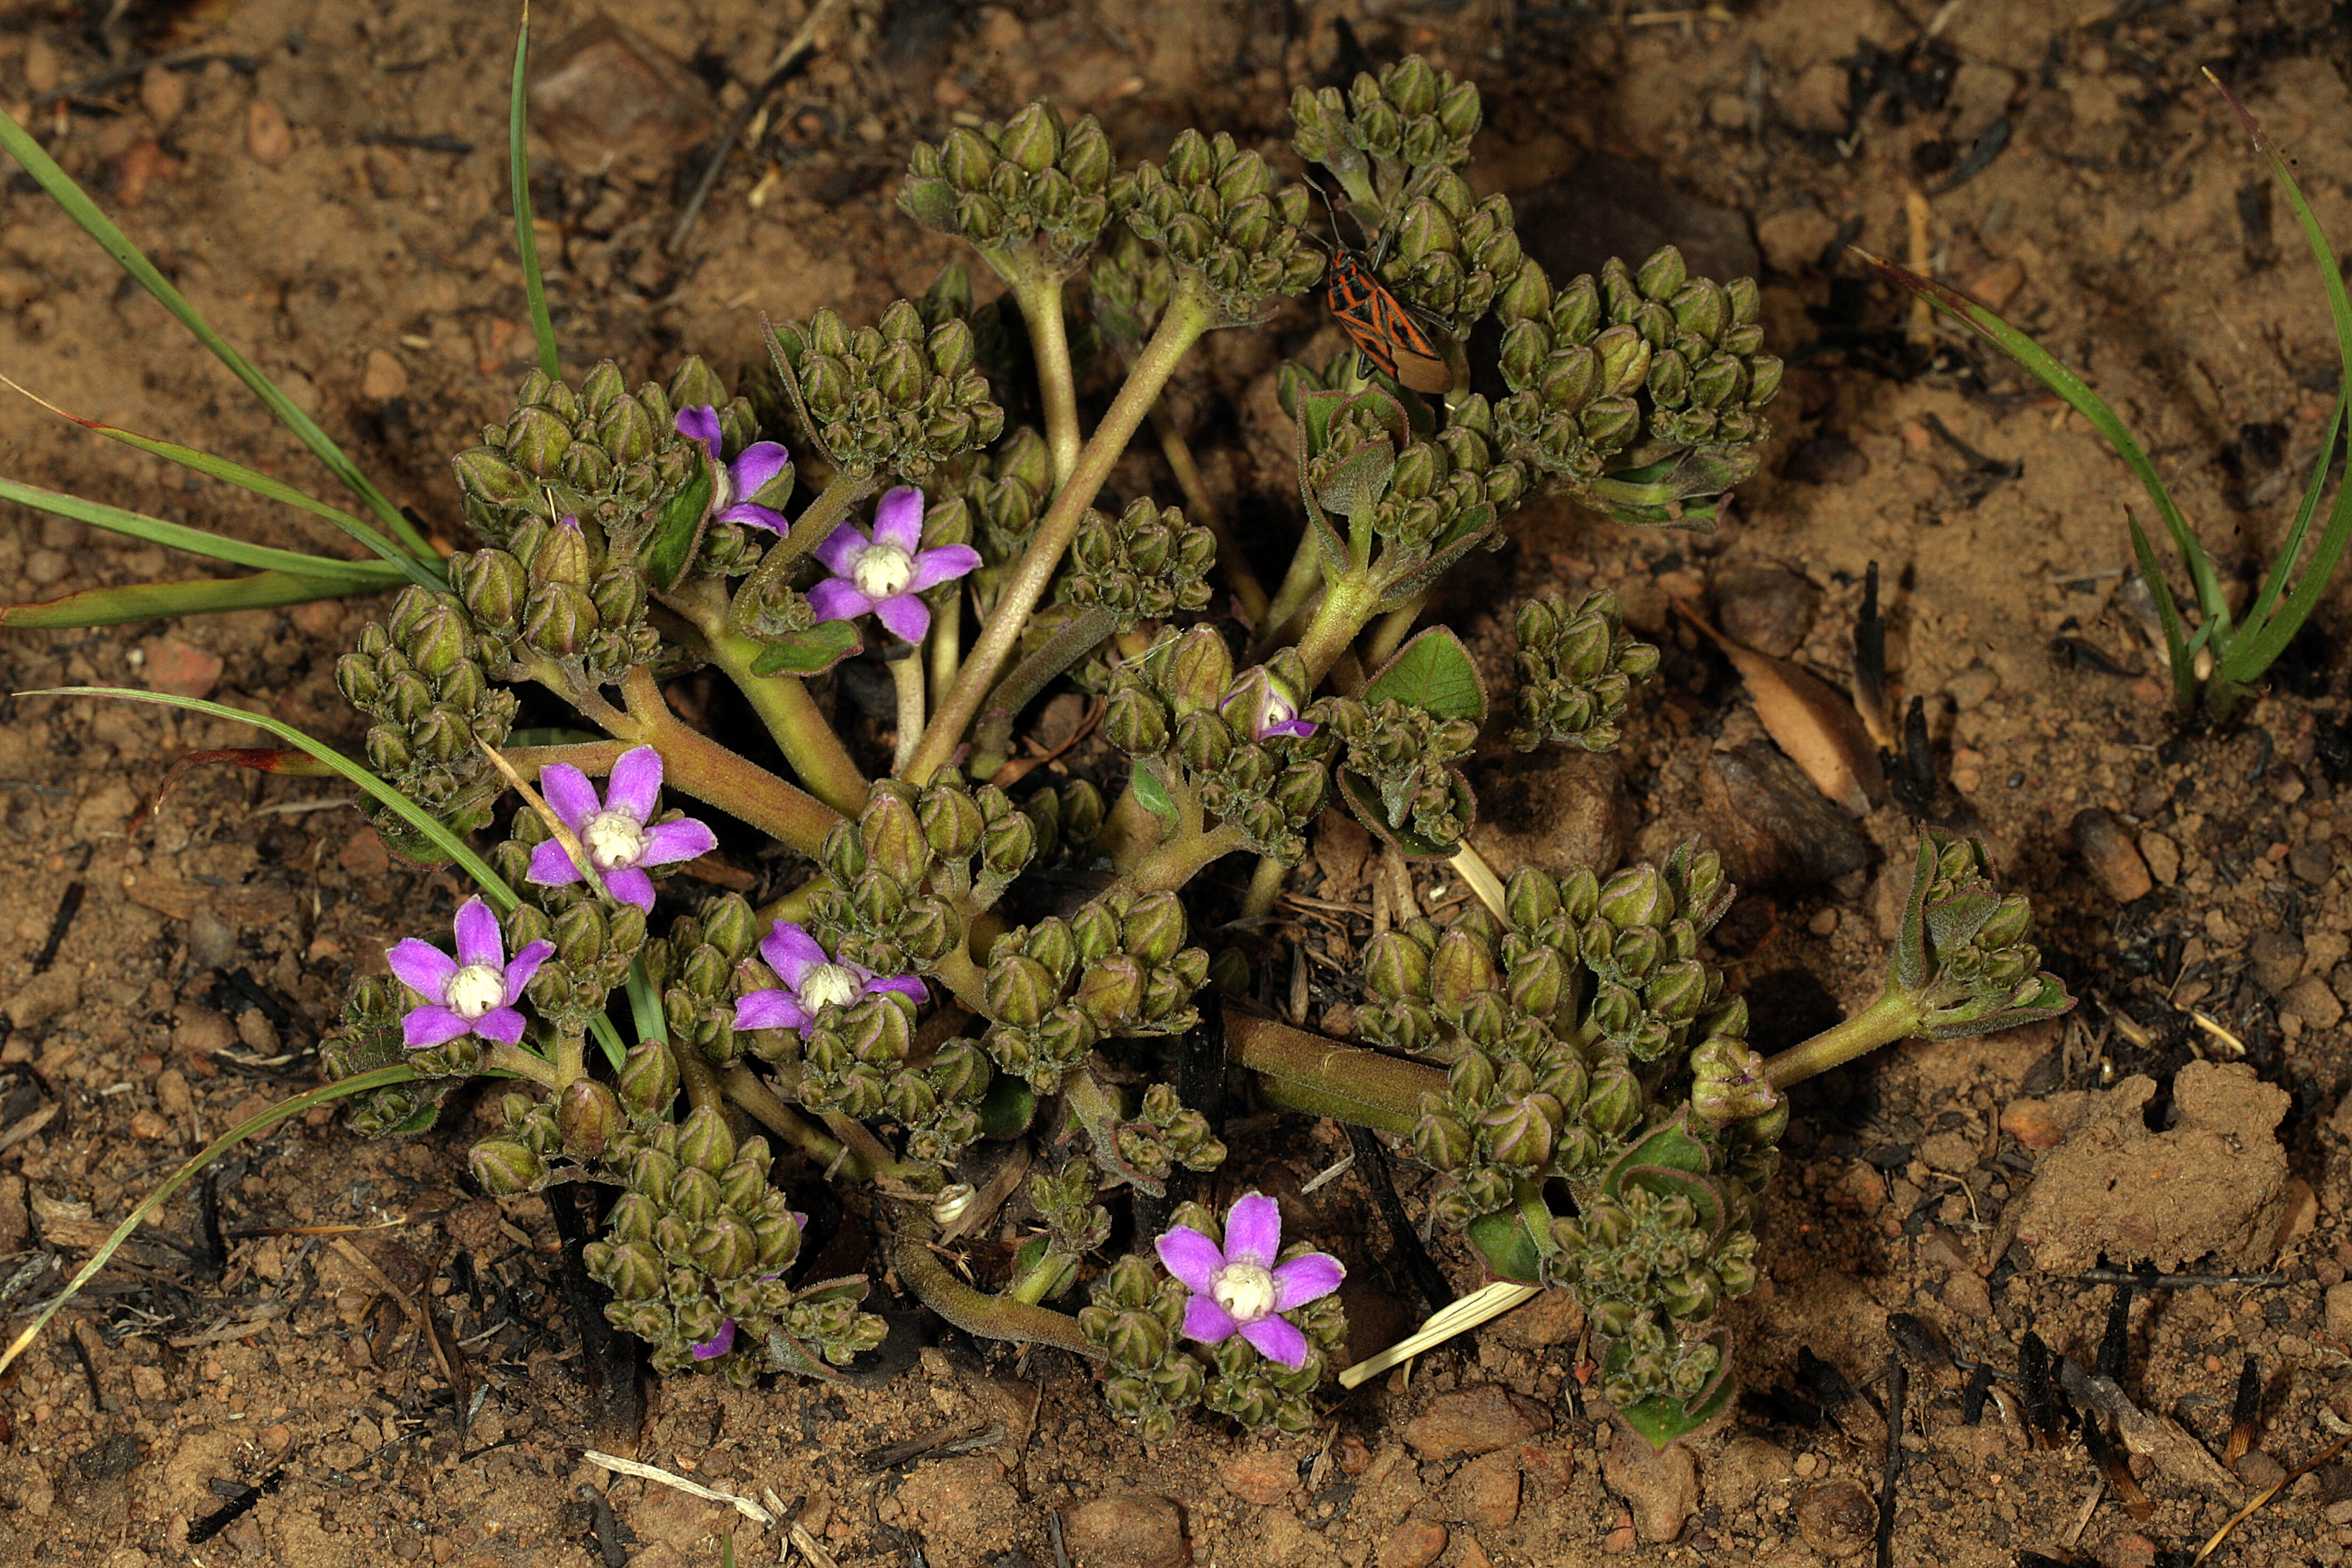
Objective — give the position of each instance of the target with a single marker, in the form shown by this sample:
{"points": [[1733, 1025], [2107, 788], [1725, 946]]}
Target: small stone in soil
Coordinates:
{"points": [[2031, 1123], [1765, 604], [2310, 1000], [2127, 1549], [1837, 1518], [2113, 859], [203, 1031], [179, 666], [2258, 1471], [2311, 861], [1414, 1543], [1261, 1478], [1475, 1421], [1661, 1489], [385, 377], [2163, 856], [1486, 1490], [163, 92], [1131, 1529], [267, 135]]}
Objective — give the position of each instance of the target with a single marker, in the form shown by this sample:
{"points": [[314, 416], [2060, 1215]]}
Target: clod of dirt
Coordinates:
{"points": [[606, 93], [1414, 1543], [1837, 1518], [2031, 1123], [1662, 1489], [2113, 859], [1745, 1467], [2215, 1184], [45, 996], [1261, 1478], [1765, 604], [267, 135], [1476, 1421], [179, 666], [1133, 1529], [1774, 828], [1486, 1492], [1572, 809]]}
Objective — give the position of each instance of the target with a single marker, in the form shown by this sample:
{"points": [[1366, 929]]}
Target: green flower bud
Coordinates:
{"points": [[1396, 966], [1613, 1102], [1032, 138], [1110, 992], [895, 843], [632, 1272], [724, 1247], [1018, 990], [537, 439], [588, 1115], [484, 474], [1007, 845], [504, 1167], [1461, 968], [704, 1142], [1202, 673], [694, 1195], [1153, 928], [1441, 1141], [1521, 1134], [1136, 722]]}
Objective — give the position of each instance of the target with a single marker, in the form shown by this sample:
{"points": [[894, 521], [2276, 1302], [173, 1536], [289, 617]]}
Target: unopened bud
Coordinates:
{"points": [[504, 1167]]}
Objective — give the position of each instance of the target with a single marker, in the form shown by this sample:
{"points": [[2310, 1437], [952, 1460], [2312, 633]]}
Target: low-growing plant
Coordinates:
{"points": [[983, 955]]}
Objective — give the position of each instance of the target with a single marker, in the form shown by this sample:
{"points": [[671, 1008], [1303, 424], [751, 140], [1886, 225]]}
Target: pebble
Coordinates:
{"points": [[2163, 857], [2031, 1123], [1486, 1490], [149, 1126], [1792, 241], [45, 568], [1972, 688], [1131, 1529], [385, 377], [1727, 112], [605, 92], [1745, 1467], [202, 1031], [2339, 1513], [2339, 1312], [1978, 95], [1261, 1478], [2127, 1549], [267, 135], [1766, 605], [1816, 101], [172, 1097], [1551, 1319], [2274, 958], [1951, 1152], [147, 1383], [1476, 1421], [46, 995], [2311, 861], [277, 1438], [1997, 285], [176, 665], [1773, 827], [212, 942], [2310, 1000], [2258, 1471], [41, 69], [2115, 863], [1414, 1543], [1661, 1489], [164, 93], [1837, 1518]]}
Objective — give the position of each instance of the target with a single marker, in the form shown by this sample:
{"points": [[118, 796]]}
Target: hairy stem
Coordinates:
{"points": [[782, 701], [696, 1076], [1347, 603], [813, 528], [701, 767], [1390, 634], [1299, 585], [766, 1107], [1188, 316], [503, 1057], [1300, 1071], [1181, 858], [1038, 1282], [906, 678], [1265, 887], [923, 1271], [1895, 1016], [594, 758], [1038, 290]]}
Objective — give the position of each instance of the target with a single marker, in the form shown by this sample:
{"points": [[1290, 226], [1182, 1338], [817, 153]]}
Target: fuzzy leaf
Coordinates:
{"points": [[1435, 673], [810, 652]]}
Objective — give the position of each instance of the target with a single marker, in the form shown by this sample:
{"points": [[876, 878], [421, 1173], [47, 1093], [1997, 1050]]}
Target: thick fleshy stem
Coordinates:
{"points": [[810, 529], [922, 1271], [1895, 1016], [1290, 600], [698, 1078], [906, 677], [955, 970], [699, 766], [504, 1058], [594, 758], [1349, 602], [992, 734], [1040, 1279], [1204, 510], [1304, 1072], [1183, 857], [1189, 315], [1265, 887], [765, 1106], [1037, 288], [782, 702], [1390, 634]]}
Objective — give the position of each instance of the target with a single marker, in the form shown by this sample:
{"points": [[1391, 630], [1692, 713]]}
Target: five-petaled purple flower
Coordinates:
{"points": [[472, 993], [617, 832], [741, 480], [812, 982], [1261, 710], [1239, 1288], [885, 573]]}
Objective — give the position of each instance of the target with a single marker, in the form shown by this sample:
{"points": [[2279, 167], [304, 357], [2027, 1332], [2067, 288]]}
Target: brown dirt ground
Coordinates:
{"points": [[370, 272]]}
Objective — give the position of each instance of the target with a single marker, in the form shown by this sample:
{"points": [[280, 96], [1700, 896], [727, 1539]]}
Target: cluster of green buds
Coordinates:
{"points": [[419, 677], [1212, 209], [1004, 492], [1074, 1223], [693, 970], [855, 1061], [899, 397], [1128, 288], [1653, 378], [1963, 957], [554, 593], [1452, 252], [1426, 500], [1403, 756], [603, 454], [1576, 668], [1163, 1134], [1386, 129], [1137, 1318], [1118, 968], [1027, 184], [368, 1037], [1234, 746], [900, 879], [1146, 563]]}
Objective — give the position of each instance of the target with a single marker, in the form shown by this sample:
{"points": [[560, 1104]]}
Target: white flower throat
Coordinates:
{"points": [[882, 570], [827, 985], [614, 839], [1245, 1290], [476, 990]]}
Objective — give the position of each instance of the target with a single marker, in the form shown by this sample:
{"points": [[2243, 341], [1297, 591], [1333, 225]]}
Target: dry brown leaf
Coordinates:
{"points": [[1808, 718]]}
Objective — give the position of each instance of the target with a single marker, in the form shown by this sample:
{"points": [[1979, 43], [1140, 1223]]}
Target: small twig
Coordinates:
{"points": [[1897, 1383], [1373, 1161], [789, 60], [742, 1505], [2276, 1487]]}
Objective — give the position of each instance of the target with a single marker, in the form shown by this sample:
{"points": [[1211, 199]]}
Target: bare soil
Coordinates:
{"points": [[256, 1378]]}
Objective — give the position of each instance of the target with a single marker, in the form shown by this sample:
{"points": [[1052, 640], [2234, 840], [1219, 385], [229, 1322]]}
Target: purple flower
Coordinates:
{"points": [[741, 480], [812, 982], [617, 832], [1240, 1289], [1261, 710], [472, 993], [884, 574]]}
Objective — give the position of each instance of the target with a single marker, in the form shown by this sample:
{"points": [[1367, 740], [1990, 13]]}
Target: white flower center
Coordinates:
{"points": [[883, 570], [476, 990], [1278, 711], [1245, 1290], [827, 985], [613, 838]]}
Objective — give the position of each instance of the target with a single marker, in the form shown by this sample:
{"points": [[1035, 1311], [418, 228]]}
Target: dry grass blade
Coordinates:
{"points": [[2276, 1487]]}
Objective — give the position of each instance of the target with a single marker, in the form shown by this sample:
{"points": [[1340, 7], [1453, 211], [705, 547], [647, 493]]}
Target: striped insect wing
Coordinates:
{"points": [[1380, 329]]}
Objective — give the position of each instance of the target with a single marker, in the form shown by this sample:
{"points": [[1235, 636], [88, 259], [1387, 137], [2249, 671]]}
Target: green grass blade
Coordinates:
{"points": [[2258, 613], [534, 287], [358, 1083], [129, 602], [2046, 369], [19, 144], [193, 541], [500, 896], [2250, 656], [2168, 614]]}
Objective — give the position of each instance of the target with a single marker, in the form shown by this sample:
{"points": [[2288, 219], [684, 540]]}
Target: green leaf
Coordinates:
{"points": [[20, 145], [1356, 486], [810, 652], [1363, 800], [1008, 1109], [1669, 1147], [1662, 1418], [501, 896], [534, 287], [1502, 1239], [1151, 793], [197, 541], [678, 533], [2167, 616], [1434, 673], [129, 601]]}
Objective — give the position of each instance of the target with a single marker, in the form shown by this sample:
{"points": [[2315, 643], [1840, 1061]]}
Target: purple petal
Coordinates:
{"points": [[945, 565], [906, 616], [790, 951], [631, 886], [839, 552], [635, 785], [526, 964], [1298, 728], [701, 425], [899, 519], [1277, 1339], [1192, 1259], [837, 599], [478, 939], [503, 1024], [751, 514], [1206, 1321], [750, 473], [718, 1345], [424, 1027], [569, 794], [551, 865], [668, 843], [1305, 1278], [769, 1010], [1253, 1230], [904, 984], [422, 967]]}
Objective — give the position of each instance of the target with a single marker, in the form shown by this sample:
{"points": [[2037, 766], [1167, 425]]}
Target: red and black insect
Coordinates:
{"points": [[1381, 329]]}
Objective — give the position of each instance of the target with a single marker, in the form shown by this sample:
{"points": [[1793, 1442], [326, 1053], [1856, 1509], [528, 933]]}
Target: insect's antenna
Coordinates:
{"points": [[1338, 244]]}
